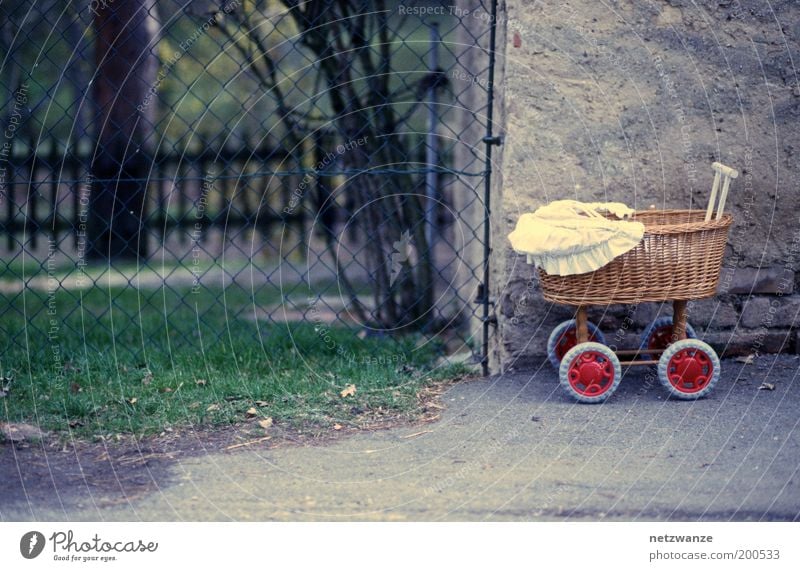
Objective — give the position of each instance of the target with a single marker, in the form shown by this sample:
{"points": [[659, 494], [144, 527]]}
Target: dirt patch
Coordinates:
{"points": [[64, 474]]}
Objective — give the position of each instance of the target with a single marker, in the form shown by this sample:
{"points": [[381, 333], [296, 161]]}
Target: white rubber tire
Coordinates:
{"points": [[611, 362], [666, 371], [559, 330]]}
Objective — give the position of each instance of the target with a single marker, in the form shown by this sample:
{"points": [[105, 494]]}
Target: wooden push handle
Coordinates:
{"points": [[725, 171], [726, 174]]}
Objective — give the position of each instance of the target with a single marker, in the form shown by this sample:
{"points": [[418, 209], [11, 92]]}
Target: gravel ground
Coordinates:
{"points": [[511, 447]]}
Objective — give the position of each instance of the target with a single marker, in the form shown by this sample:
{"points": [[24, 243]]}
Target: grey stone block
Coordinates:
{"points": [[771, 311], [712, 313], [613, 318], [756, 280]]}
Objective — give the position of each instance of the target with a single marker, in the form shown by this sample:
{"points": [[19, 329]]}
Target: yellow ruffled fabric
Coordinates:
{"points": [[567, 237]]}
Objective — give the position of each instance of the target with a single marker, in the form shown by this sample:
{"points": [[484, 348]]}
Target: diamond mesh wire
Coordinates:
{"points": [[164, 163]]}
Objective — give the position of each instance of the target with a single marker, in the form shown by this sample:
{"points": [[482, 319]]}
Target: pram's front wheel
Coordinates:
{"points": [[590, 372], [689, 369], [565, 336]]}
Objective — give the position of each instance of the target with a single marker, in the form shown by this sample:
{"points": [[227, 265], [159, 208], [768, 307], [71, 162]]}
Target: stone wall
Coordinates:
{"points": [[633, 100]]}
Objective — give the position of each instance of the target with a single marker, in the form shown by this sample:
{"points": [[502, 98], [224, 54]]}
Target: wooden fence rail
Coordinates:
{"points": [[44, 193]]}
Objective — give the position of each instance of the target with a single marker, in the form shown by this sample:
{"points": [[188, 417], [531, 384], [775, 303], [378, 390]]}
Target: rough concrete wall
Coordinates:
{"points": [[632, 100]]}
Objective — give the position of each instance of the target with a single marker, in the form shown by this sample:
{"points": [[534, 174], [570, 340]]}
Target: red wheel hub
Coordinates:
{"points": [[661, 338], [568, 340], [690, 370], [591, 373]]}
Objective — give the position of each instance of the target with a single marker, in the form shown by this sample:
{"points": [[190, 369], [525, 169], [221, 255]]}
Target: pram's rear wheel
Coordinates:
{"points": [[590, 372], [658, 336], [565, 336], [689, 369]]}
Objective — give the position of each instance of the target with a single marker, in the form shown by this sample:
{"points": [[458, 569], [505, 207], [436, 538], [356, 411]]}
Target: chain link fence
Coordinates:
{"points": [[185, 174]]}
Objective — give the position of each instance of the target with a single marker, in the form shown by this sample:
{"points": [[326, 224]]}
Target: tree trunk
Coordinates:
{"points": [[77, 75], [125, 107]]}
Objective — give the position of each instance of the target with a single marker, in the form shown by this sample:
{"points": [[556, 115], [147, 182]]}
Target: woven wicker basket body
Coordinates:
{"points": [[679, 258]]}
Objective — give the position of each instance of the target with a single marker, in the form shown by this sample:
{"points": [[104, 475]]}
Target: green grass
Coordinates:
{"points": [[116, 364]]}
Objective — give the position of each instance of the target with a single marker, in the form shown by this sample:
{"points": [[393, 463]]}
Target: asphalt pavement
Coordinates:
{"points": [[511, 447]]}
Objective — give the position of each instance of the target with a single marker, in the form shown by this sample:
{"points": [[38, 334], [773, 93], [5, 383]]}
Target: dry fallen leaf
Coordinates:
{"points": [[766, 387], [337, 426], [407, 370], [348, 391], [165, 390], [748, 360], [249, 443], [18, 432], [212, 407], [262, 403], [75, 388], [133, 400], [5, 386], [266, 422], [194, 405], [69, 367], [251, 412], [201, 382], [416, 434]]}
